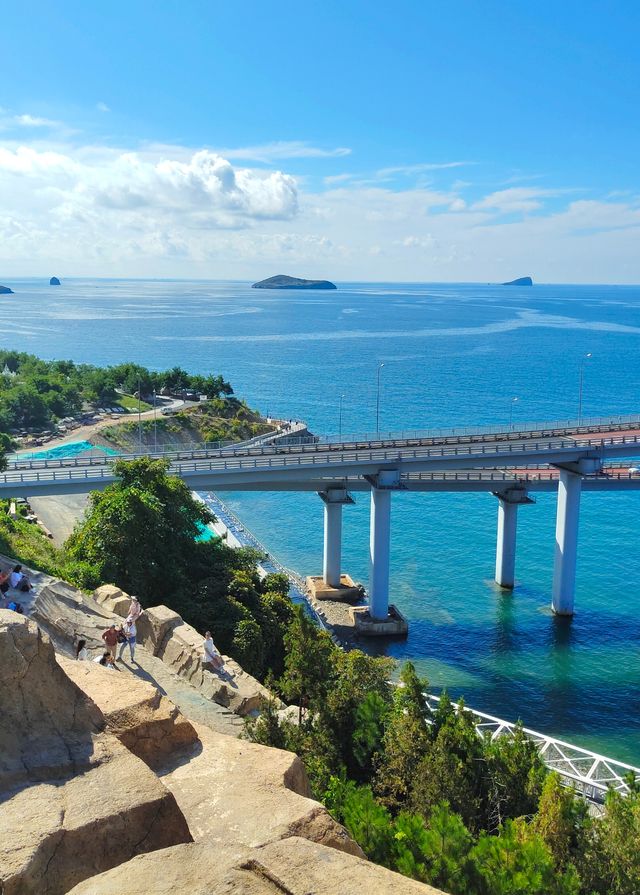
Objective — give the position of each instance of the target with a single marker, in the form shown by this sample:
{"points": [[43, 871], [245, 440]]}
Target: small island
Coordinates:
{"points": [[4, 290], [281, 281], [521, 281], [54, 281]]}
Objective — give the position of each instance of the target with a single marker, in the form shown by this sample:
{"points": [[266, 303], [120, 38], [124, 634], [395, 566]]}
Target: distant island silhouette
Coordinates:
{"points": [[4, 290], [521, 281], [54, 281], [281, 281]]}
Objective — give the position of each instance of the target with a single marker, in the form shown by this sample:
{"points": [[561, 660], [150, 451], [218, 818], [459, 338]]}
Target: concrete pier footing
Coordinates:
{"points": [[566, 553]]}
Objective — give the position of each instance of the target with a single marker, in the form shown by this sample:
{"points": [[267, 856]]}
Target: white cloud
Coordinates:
{"points": [[102, 107], [35, 121], [172, 211], [282, 150], [408, 170]]}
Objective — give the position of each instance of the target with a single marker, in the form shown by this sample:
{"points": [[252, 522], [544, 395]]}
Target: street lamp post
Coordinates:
{"points": [[582, 361], [340, 419], [513, 401], [380, 366], [155, 424], [139, 416]]}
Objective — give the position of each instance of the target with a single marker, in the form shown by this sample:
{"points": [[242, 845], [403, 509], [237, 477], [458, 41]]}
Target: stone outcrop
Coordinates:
{"points": [[75, 801], [291, 866], [144, 721], [112, 599]]}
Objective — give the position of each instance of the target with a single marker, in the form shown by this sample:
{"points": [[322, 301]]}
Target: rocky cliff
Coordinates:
{"points": [[106, 787]]}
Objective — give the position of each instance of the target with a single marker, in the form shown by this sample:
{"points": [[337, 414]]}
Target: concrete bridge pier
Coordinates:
{"points": [[567, 519], [508, 503], [334, 499], [379, 551]]}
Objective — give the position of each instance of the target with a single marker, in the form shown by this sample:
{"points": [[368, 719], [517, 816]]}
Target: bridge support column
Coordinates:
{"points": [[508, 503], [332, 543], [567, 517], [379, 549], [506, 544]]}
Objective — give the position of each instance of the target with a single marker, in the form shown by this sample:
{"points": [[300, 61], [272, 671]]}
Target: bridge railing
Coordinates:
{"points": [[506, 452], [589, 773], [583, 425]]}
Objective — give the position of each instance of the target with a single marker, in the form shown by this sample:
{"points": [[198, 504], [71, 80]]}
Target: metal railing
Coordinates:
{"points": [[590, 774], [268, 458]]}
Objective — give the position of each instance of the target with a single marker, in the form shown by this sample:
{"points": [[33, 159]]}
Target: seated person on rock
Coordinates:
{"points": [[211, 658], [19, 580], [82, 653], [106, 660]]}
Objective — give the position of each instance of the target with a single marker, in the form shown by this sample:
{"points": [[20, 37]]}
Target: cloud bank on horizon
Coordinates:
{"points": [[86, 207]]}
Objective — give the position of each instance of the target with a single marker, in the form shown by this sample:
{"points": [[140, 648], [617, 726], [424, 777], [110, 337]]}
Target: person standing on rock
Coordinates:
{"points": [[110, 637], [131, 633], [135, 611], [121, 631]]}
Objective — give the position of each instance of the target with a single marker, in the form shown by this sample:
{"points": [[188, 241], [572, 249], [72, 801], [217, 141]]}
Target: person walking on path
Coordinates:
{"points": [[110, 637]]}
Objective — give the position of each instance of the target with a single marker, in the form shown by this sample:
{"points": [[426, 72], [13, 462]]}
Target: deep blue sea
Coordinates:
{"points": [[453, 355]]}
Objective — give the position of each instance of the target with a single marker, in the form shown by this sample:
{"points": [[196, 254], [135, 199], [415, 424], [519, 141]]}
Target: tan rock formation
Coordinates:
{"points": [[233, 791], [113, 599], [74, 800], [65, 614], [288, 867], [180, 647], [144, 721]]}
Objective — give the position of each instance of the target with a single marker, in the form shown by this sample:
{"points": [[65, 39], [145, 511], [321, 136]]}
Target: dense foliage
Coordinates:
{"points": [[34, 392], [141, 533], [423, 794]]}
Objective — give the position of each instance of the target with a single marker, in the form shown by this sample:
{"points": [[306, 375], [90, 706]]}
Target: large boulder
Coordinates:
{"points": [[155, 625], [67, 615], [112, 599], [75, 801], [291, 867], [232, 687], [144, 721], [226, 775]]}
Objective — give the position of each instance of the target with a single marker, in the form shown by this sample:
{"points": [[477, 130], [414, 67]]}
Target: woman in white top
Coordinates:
{"points": [[19, 579], [82, 653], [210, 654]]}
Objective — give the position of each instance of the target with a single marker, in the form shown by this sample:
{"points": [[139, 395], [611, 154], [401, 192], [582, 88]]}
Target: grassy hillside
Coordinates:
{"points": [[220, 419]]}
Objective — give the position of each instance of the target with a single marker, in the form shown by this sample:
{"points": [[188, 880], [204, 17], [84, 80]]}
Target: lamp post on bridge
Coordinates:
{"points": [[155, 424], [582, 362], [380, 366], [513, 401], [139, 416], [340, 419]]}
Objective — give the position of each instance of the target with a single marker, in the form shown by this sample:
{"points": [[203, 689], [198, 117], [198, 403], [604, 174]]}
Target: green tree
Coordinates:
{"points": [[307, 674], [515, 777], [140, 533], [406, 741], [562, 821]]}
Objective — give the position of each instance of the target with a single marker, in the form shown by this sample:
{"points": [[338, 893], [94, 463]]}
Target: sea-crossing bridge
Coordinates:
{"points": [[570, 457]]}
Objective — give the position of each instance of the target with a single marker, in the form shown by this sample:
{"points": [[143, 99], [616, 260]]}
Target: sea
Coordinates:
{"points": [[453, 355]]}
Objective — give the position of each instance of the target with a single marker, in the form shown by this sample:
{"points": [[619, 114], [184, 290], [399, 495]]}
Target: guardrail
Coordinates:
{"points": [[262, 458], [591, 774]]}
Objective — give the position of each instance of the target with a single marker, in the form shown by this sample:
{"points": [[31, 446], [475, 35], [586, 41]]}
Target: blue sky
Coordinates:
{"points": [[404, 141]]}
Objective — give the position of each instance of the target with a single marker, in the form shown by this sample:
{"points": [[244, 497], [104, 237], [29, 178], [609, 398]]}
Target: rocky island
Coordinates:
{"points": [[4, 290], [281, 281], [54, 281], [520, 281]]}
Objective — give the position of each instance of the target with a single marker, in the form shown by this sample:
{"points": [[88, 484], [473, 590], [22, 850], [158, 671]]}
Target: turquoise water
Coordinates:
{"points": [[66, 451], [453, 355]]}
